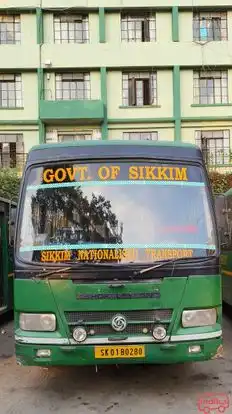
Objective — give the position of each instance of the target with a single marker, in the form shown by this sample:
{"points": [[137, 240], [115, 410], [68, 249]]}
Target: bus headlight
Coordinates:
{"points": [[45, 322], [79, 334], [199, 317], [159, 333]]}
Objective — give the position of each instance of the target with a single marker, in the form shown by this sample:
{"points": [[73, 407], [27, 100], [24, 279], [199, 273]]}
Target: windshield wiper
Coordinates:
{"points": [[73, 268], [173, 261], [95, 265], [52, 272]]}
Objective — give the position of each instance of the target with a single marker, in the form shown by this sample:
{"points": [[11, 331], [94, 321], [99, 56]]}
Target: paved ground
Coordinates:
{"points": [[129, 389]]}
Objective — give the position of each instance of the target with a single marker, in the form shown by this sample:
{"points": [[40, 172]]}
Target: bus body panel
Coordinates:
{"points": [[60, 297], [84, 354]]}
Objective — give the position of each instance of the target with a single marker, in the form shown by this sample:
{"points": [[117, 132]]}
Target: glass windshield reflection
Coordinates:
{"points": [[119, 215]]}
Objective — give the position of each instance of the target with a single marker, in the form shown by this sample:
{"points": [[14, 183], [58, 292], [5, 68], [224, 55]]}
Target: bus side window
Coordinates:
{"points": [[222, 219]]}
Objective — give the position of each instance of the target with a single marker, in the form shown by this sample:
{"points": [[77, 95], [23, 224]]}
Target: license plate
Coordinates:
{"points": [[125, 351]]}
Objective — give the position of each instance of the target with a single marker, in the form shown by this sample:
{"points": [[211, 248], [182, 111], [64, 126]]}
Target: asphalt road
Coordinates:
{"points": [[129, 389]]}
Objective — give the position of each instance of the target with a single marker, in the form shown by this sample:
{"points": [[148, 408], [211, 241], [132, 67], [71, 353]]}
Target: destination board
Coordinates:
{"points": [[112, 254], [113, 172]]}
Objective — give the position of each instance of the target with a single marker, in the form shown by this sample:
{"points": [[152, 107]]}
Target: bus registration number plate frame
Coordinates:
{"points": [[117, 351]]}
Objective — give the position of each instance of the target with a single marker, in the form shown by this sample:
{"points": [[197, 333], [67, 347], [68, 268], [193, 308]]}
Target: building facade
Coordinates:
{"points": [[76, 70]]}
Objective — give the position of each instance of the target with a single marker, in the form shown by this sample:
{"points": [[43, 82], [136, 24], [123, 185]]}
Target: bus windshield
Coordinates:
{"points": [[119, 212]]}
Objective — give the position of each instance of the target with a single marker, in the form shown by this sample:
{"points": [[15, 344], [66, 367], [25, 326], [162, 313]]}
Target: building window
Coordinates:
{"points": [[10, 91], [12, 151], [74, 137], [210, 26], [215, 146], [141, 136], [136, 28], [139, 89], [10, 30], [71, 29], [73, 86], [210, 87]]}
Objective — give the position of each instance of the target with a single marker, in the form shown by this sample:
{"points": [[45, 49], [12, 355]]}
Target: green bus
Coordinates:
{"points": [[7, 217], [223, 207], [116, 256]]}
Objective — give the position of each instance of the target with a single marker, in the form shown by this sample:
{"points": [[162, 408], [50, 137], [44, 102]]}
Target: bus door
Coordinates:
{"points": [[229, 216], [223, 207], [221, 210]]}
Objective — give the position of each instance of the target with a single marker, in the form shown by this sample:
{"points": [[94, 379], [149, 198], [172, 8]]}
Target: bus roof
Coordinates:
{"points": [[114, 149]]}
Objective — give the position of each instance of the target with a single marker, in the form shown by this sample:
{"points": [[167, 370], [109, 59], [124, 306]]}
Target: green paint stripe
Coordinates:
{"points": [[116, 246], [39, 25], [19, 122], [139, 120], [112, 183], [210, 105], [129, 120], [13, 10], [175, 24], [40, 79], [104, 130], [177, 130], [177, 103], [102, 25], [103, 73], [206, 118], [40, 76], [41, 132], [103, 85]]}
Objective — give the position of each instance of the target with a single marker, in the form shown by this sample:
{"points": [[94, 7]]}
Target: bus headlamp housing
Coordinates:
{"points": [[199, 317], [79, 334], [44, 322], [159, 333]]}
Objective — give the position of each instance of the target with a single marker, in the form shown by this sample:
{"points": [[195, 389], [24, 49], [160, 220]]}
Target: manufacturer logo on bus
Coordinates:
{"points": [[119, 323]]}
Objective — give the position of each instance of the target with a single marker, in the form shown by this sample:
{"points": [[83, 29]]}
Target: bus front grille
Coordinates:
{"points": [[138, 322], [156, 315]]}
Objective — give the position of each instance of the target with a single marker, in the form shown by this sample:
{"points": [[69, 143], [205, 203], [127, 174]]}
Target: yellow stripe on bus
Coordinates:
{"points": [[10, 274]]}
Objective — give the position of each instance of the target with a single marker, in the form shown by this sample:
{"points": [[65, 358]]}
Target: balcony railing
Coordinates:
{"points": [[222, 169], [218, 160], [16, 160]]}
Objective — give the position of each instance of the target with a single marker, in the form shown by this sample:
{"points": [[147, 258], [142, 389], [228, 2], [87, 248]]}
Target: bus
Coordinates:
{"points": [[223, 207], [7, 217], [116, 256]]}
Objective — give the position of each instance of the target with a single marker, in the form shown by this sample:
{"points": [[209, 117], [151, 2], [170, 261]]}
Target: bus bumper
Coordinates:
{"points": [[162, 353]]}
